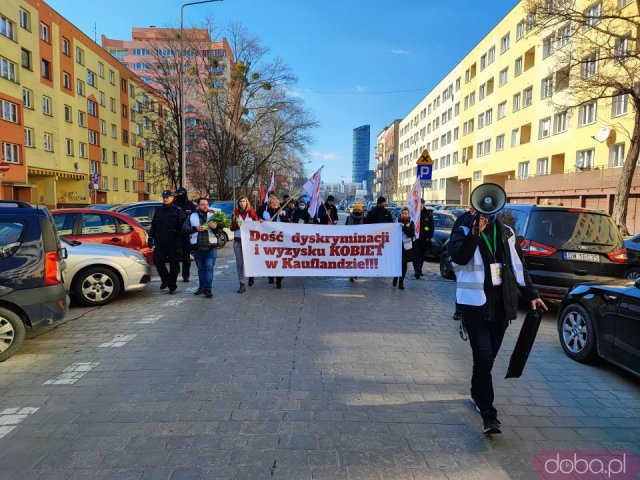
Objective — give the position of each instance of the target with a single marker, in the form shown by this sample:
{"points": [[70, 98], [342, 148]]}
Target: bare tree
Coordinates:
{"points": [[596, 58]]}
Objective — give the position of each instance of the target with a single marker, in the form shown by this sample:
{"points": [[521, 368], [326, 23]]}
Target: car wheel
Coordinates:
{"points": [[633, 274], [12, 333], [96, 286], [577, 333], [446, 271], [222, 240]]}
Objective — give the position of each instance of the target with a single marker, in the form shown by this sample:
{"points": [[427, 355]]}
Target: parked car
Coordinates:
{"points": [[602, 321], [451, 208], [102, 206], [95, 274], [564, 246], [443, 223], [110, 228], [32, 292], [633, 253], [143, 213], [226, 207]]}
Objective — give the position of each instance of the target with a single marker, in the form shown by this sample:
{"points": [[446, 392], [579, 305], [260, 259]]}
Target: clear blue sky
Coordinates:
{"points": [[351, 47]]}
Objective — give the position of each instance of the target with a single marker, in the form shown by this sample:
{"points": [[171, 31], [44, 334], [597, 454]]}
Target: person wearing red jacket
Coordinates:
{"points": [[242, 213]]}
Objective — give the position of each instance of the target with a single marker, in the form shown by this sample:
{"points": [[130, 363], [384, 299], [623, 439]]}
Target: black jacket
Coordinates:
{"points": [[326, 213], [185, 204], [272, 214], [427, 224], [298, 215], [462, 248], [355, 219], [166, 226], [379, 214]]}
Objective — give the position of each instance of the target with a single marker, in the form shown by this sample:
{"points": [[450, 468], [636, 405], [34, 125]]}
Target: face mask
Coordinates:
{"points": [[301, 207]]}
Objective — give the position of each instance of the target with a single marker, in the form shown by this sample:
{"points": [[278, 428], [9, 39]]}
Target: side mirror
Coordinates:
{"points": [[63, 253]]}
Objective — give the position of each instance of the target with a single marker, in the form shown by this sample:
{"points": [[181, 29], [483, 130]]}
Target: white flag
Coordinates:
{"points": [[272, 185], [414, 205], [312, 188]]}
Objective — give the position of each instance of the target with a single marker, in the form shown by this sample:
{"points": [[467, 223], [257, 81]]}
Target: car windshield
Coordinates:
{"points": [[565, 229]]}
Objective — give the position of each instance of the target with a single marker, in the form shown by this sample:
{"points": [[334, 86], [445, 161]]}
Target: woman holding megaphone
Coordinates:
{"points": [[489, 270]]}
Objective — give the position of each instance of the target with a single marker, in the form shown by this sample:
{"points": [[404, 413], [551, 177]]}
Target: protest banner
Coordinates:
{"points": [[273, 249]]}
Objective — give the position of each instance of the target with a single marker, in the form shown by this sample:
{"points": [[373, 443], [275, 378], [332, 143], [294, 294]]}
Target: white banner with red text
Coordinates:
{"points": [[273, 249]]}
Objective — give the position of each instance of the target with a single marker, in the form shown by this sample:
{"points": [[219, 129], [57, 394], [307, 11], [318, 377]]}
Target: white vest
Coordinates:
{"points": [[194, 219], [470, 277]]}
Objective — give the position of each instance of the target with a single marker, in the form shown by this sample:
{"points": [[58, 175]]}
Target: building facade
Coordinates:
{"points": [[386, 156], [495, 118], [69, 128], [361, 153]]}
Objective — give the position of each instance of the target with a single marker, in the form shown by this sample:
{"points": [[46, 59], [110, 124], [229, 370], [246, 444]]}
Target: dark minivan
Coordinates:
{"points": [[566, 246], [32, 292]]}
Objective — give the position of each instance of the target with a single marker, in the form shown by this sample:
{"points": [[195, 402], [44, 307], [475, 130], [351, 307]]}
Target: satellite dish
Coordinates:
{"points": [[603, 134]]}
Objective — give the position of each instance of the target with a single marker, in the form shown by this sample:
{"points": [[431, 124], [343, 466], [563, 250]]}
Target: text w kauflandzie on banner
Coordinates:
{"points": [[273, 249]]}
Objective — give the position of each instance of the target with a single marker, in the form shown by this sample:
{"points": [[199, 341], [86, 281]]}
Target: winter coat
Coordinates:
{"points": [[355, 219], [379, 214], [166, 226]]}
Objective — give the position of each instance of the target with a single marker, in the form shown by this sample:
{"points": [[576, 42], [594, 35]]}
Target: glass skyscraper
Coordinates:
{"points": [[361, 149]]}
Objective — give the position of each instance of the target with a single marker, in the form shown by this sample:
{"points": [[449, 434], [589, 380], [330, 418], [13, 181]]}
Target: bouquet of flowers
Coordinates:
{"points": [[220, 218]]}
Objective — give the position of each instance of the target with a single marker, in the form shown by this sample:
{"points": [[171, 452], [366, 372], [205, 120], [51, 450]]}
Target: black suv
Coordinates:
{"points": [[565, 246], [32, 292]]}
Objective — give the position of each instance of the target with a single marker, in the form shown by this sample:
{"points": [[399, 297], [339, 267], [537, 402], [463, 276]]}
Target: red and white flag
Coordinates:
{"points": [[272, 185], [312, 188], [414, 205]]}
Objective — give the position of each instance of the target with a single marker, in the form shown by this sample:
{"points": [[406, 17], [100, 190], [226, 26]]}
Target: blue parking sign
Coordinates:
{"points": [[425, 172], [95, 178]]}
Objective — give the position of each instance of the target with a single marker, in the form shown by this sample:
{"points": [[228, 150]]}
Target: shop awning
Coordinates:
{"points": [[46, 172]]}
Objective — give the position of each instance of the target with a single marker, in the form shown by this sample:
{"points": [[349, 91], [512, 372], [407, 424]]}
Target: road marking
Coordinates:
{"points": [[72, 373], [11, 417], [117, 341], [345, 295], [150, 319], [174, 302]]}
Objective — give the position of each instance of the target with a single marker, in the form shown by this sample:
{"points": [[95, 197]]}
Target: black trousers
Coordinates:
{"points": [[407, 257], [185, 258], [419, 247], [162, 254], [485, 338]]}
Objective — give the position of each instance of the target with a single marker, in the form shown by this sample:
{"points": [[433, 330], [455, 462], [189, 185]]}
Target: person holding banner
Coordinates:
{"points": [[356, 217], [408, 234], [242, 213], [204, 243], [328, 213], [379, 213], [274, 213], [301, 213]]}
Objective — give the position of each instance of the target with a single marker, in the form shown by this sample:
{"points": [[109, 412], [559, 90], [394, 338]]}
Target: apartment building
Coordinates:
{"points": [[68, 127], [507, 128], [386, 157]]}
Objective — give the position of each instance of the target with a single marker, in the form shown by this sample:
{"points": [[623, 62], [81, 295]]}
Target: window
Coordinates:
{"points": [[114, 186], [69, 147], [9, 111], [80, 87], [505, 43], [500, 143], [93, 137], [616, 155], [472, 98], [66, 49], [79, 55], [7, 69], [112, 104], [503, 77], [48, 142], [25, 19], [619, 105], [124, 111], [516, 102], [523, 170], [515, 137], [46, 105], [622, 51], [527, 96], [68, 114], [483, 62], [589, 65], [458, 83], [491, 55], [545, 127], [587, 114], [27, 98], [134, 186], [592, 16], [103, 155], [98, 224], [518, 67], [542, 166], [66, 80], [585, 158], [10, 153], [28, 137], [480, 120], [477, 175], [548, 46], [114, 158], [44, 32], [45, 69], [92, 108], [487, 147], [456, 133], [623, 3], [114, 131], [502, 110], [456, 109], [520, 30], [26, 58], [103, 127], [82, 118], [482, 91], [91, 78], [560, 121], [564, 36], [546, 87], [126, 186], [125, 136], [112, 77], [100, 69]]}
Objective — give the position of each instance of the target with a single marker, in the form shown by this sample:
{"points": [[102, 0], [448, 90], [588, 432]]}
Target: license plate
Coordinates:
{"points": [[582, 257]]}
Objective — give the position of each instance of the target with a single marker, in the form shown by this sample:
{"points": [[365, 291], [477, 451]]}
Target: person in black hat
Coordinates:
{"points": [[379, 213], [328, 212], [188, 208], [165, 236], [423, 242]]}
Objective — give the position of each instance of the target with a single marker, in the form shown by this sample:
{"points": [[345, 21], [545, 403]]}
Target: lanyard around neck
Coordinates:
{"points": [[492, 249]]}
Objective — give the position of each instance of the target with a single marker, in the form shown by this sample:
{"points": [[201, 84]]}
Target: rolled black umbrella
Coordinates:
{"points": [[524, 344]]}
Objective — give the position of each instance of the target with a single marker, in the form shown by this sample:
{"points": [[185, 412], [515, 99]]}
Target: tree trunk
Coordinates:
{"points": [[621, 200]]}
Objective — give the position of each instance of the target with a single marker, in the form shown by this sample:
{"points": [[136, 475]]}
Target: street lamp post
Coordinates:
{"points": [[183, 144]]}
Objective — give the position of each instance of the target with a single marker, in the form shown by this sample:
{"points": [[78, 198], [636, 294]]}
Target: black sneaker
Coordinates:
{"points": [[279, 283], [416, 276], [491, 426], [270, 280], [172, 290], [163, 286], [185, 279], [199, 291], [208, 294], [251, 281], [395, 281], [242, 288]]}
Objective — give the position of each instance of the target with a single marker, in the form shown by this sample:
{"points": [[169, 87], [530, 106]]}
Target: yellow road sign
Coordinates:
{"points": [[425, 159]]}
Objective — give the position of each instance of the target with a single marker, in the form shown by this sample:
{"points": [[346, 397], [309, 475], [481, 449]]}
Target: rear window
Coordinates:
{"points": [[10, 237], [563, 229], [443, 221]]}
